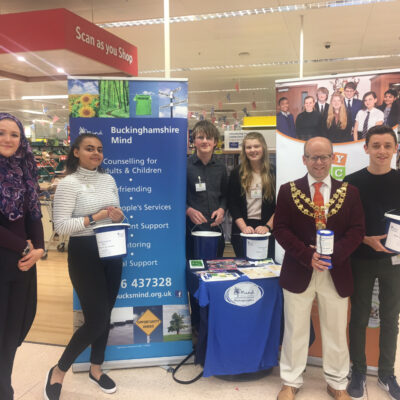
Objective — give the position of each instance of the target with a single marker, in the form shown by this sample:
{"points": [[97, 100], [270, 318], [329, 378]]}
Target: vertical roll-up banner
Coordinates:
{"points": [[349, 155], [142, 124]]}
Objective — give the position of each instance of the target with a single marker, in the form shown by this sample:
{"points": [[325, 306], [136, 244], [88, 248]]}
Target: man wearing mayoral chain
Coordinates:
{"points": [[304, 206]]}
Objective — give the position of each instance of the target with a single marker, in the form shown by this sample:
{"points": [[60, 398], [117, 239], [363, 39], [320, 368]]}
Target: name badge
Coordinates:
{"points": [[88, 187], [200, 187], [396, 259], [256, 193]]}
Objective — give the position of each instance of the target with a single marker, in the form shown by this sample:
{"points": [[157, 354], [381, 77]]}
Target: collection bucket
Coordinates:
{"points": [[392, 242], [205, 244], [111, 240], [255, 245]]}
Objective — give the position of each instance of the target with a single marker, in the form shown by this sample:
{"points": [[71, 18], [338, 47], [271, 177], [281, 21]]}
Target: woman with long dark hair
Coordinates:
{"points": [[21, 243], [390, 108], [251, 199], [85, 197]]}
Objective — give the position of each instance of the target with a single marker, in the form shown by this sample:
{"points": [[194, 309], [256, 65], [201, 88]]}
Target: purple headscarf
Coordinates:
{"points": [[19, 179]]}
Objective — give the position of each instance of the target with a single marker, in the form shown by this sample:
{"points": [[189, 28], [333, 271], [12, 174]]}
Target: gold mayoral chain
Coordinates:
{"points": [[318, 212]]}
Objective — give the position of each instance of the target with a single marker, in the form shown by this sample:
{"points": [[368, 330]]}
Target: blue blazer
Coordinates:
{"points": [[355, 108], [286, 124]]}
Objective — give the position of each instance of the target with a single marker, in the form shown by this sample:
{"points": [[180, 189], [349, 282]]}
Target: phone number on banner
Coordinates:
{"points": [[147, 282]]}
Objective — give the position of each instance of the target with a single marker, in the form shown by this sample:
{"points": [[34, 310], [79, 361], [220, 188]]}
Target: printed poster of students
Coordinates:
{"points": [[333, 107]]}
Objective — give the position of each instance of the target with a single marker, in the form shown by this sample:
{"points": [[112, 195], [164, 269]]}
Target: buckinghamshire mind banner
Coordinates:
{"points": [[143, 127]]}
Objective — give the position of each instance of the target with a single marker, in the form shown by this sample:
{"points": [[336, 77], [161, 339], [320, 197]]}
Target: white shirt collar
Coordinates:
{"points": [[326, 181]]}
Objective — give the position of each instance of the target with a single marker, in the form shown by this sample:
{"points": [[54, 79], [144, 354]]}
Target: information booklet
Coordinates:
{"points": [[221, 265], [259, 272], [261, 269], [208, 276]]}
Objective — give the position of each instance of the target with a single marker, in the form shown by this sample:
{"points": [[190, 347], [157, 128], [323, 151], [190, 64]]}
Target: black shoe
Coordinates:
{"points": [[106, 384], [356, 386], [52, 392], [390, 385]]}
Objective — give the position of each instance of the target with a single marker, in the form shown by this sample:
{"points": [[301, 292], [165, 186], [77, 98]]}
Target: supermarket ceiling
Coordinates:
{"points": [[222, 46]]}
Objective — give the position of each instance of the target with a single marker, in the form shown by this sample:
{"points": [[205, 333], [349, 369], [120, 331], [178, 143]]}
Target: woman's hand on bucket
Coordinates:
{"points": [[115, 214], [261, 229], [248, 230]]}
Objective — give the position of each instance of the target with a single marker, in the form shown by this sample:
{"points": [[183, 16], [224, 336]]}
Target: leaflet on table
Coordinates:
{"points": [[221, 265], [261, 272], [208, 276]]}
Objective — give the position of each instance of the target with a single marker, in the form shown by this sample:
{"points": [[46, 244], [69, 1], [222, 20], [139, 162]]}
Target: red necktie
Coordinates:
{"points": [[319, 201]]}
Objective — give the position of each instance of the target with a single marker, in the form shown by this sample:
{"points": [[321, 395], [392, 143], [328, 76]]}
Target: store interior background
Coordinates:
{"points": [[231, 64], [217, 54]]}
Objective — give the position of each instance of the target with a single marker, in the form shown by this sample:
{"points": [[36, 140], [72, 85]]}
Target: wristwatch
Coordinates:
{"points": [[26, 250], [91, 220], [269, 228]]}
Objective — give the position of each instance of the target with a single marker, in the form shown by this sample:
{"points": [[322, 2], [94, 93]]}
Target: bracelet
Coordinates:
{"points": [[26, 250], [269, 228]]}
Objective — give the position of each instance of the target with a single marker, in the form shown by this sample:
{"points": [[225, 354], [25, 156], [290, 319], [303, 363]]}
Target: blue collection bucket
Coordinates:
{"points": [[255, 245], [392, 242], [111, 240], [205, 244]]}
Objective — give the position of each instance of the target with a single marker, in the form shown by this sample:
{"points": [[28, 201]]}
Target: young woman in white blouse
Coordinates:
{"points": [[85, 197]]}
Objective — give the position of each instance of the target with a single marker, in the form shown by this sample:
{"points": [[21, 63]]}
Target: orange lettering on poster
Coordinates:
{"points": [[339, 158]]}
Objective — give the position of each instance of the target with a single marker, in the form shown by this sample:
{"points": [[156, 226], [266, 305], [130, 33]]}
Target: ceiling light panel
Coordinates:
{"points": [[242, 13]]}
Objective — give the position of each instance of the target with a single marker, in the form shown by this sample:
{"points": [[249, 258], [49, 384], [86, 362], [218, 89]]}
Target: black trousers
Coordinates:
{"points": [[96, 283], [365, 271], [17, 311]]}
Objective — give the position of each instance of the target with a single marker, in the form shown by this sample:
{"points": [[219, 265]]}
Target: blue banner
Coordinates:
{"points": [[143, 127]]}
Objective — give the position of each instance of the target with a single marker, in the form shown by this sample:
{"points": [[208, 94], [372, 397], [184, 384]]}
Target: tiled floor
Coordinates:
{"points": [[54, 326], [34, 360]]}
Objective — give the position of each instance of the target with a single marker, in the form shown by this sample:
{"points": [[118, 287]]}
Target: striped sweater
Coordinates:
{"points": [[80, 194]]}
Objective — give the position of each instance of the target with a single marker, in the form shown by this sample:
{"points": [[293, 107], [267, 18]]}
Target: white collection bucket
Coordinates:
{"points": [[205, 244], [111, 240], [392, 242], [255, 245]]}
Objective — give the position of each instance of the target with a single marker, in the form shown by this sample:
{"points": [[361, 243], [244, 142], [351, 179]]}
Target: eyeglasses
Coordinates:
{"points": [[323, 158]]}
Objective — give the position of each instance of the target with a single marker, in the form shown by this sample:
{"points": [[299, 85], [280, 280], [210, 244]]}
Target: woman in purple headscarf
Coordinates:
{"points": [[21, 243]]}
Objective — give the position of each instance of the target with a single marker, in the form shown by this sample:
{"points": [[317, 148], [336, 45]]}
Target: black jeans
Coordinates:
{"points": [[364, 272], [17, 311], [96, 283]]}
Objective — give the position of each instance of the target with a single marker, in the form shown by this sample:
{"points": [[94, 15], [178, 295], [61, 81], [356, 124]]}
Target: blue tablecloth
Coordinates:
{"points": [[242, 319]]}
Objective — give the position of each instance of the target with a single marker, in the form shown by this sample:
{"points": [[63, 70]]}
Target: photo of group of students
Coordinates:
{"points": [[345, 118]]}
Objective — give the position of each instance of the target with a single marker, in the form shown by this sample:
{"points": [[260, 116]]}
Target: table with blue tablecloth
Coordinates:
{"points": [[240, 324]]}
